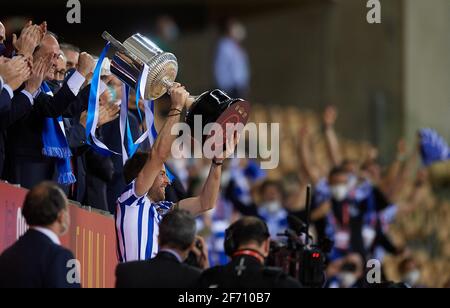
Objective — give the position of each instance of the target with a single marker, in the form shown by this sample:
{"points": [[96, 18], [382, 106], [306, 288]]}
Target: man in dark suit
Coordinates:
{"points": [[17, 109], [37, 260], [12, 74], [167, 270], [26, 163]]}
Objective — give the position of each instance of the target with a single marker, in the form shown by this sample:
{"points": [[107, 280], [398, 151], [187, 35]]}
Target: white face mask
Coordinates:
{"points": [[339, 192], [352, 181], [347, 279], [271, 206], [412, 277]]}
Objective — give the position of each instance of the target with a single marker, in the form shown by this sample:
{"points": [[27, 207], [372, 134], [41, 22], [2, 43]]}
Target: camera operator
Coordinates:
{"points": [[247, 242]]}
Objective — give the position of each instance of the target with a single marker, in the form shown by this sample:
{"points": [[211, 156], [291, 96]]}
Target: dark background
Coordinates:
{"points": [[387, 79]]}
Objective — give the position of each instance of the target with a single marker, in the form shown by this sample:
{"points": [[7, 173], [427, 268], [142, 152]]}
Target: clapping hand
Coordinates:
{"points": [[30, 37], [40, 70], [15, 71]]}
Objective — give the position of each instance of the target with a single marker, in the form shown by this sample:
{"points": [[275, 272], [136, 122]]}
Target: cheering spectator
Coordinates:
{"points": [[2, 39], [410, 272], [37, 148], [13, 73], [72, 54], [270, 209]]}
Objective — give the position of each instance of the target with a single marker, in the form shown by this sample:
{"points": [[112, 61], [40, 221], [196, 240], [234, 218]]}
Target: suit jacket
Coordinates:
{"points": [[5, 100], [76, 137], [34, 261], [164, 271], [24, 137], [99, 173], [5, 103], [19, 107]]}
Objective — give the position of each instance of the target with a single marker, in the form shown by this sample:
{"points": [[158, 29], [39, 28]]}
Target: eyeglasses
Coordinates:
{"points": [[60, 73]]}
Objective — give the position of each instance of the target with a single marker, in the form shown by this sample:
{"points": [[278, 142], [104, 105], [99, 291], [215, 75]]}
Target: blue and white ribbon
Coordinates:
{"points": [[131, 147], [123, 119], [140, 88], [93, 109], [150, 121]]}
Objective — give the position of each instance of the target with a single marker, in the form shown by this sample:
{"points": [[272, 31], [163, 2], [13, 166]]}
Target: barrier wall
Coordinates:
{"points": [[91, 237]]}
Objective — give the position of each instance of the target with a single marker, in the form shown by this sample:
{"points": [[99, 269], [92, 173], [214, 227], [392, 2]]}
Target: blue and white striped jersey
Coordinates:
{"points": [[137, 225]]}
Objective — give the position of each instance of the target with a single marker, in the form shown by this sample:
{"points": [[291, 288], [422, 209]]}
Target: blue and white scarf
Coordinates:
{"points": [[56, 146]]}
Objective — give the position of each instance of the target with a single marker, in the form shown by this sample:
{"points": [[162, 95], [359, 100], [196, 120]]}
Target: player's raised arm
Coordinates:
{"points": [[163, 144], [210, 192]]}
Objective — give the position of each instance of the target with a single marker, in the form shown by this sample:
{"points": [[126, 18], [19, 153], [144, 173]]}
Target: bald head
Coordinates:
{"points": [[43, 205], [49, 47], [2, 33], [72, 54]]}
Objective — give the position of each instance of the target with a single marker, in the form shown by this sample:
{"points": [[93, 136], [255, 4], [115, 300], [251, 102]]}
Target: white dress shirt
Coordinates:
{"points": [[74, 83], [49, 233], [4, 86]]}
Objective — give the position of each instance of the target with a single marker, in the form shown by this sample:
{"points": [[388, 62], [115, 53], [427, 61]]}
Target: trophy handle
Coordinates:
{"points": [[113, 41], [118, 45], [168, 84]]}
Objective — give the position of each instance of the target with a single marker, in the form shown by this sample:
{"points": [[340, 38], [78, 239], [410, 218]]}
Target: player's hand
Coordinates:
{"points": [[179, 96]]}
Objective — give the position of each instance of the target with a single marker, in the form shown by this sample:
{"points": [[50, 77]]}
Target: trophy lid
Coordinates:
{"points": [[218, 107]]}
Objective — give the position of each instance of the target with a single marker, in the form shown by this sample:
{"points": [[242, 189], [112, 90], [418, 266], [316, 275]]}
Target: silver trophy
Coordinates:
{"points": [[137, 51], [130, 58]]}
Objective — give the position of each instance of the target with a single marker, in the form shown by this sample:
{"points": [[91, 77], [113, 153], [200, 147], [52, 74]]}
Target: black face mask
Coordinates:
{"points": [[2, 49], [55, 85], [69, 73]]}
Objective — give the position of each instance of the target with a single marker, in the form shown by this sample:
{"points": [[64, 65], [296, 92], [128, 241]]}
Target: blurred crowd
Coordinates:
{"points": [[409, 219], [368, 210]]}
